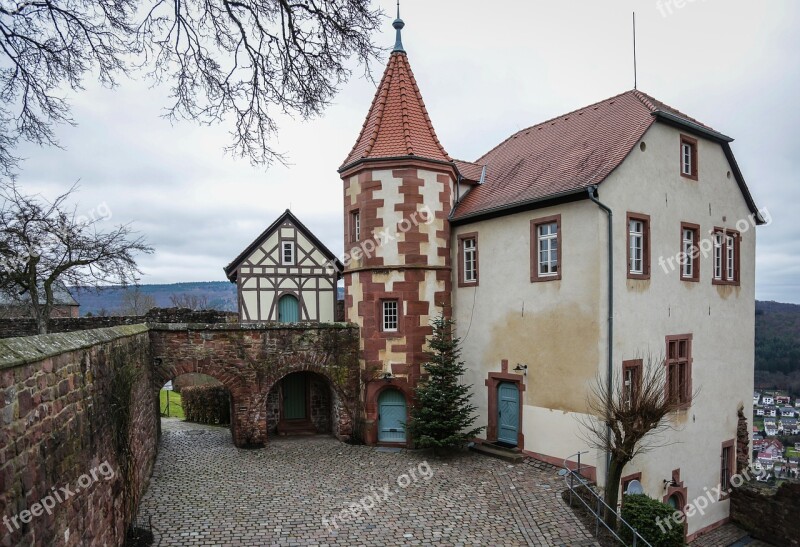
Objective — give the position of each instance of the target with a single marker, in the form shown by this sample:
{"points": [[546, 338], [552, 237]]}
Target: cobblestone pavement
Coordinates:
{"points": [[726, 535], [205, 491]]}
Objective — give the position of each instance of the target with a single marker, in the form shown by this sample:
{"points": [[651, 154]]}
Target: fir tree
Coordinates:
{"points": [[443, 416]]}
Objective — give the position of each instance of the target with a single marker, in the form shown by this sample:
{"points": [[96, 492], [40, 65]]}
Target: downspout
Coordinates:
{"points": [[592, 196]]}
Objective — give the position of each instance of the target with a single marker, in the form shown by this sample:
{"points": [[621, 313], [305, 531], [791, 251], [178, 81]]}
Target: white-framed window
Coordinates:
{"points": [[730, 257], [687, 269], [389, 315], [717, 256], [636, 242], [470, 260], [547, 235], [356, 222], [287, 252], [686, 158]]}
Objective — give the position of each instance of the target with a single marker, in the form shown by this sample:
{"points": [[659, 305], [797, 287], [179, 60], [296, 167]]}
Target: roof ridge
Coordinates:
{"points": [[554, 118]]}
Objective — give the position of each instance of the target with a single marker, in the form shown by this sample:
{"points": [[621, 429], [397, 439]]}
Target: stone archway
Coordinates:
{"points": [[250, 359], [307, 402]]}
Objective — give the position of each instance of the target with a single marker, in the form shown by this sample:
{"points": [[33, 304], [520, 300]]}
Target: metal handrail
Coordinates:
{"points": [[638, 540]]}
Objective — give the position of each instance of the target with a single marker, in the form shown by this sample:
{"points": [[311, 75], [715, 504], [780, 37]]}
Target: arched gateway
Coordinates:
{"points": [[252, 360]]}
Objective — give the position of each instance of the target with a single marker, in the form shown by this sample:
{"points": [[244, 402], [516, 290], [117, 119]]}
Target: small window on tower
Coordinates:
{"points": [[355, 224], [390, 315]]}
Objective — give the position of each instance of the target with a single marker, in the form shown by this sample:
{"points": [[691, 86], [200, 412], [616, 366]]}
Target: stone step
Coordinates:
{"points": [[511, 455]]}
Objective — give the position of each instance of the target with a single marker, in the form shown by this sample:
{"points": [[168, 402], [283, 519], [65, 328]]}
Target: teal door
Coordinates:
{"points": [[507, 413], [288, 309], [392, 417], [294, 397]]}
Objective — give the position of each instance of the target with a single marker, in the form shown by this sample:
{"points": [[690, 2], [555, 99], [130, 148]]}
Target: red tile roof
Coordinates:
{"points": [[565, 154], [397, 123]]}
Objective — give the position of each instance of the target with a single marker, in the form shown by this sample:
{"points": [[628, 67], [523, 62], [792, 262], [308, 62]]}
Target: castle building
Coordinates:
{"points": [[590, 246]]}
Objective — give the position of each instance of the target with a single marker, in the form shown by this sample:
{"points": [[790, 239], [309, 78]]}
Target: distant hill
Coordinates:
{"points": [[221, 295], [777, 337]]}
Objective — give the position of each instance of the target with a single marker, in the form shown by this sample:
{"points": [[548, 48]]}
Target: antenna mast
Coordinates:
{"points": [[634, 51]]}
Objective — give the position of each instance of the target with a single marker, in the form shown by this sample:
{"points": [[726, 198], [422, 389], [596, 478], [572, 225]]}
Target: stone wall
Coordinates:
{"points": [[12, 327], [767, 513], [62, 448], [250, 359]]}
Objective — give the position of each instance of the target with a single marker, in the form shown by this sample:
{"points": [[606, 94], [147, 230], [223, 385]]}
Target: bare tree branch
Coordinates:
{"points": [[44, 244], [233, 61]]}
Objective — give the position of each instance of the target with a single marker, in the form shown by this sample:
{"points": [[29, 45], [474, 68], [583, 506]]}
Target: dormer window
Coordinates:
{"points": [[688, 157]]}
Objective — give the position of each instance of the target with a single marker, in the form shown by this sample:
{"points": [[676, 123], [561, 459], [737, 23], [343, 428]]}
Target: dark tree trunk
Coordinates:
{"points": [[611, 495]]}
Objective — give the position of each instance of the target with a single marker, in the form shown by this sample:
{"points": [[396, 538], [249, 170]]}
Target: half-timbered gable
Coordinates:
{"points": [[286, 275]]}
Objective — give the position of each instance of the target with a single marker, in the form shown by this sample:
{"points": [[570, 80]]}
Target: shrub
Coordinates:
{"points": [[645, 514], [206, 404]]}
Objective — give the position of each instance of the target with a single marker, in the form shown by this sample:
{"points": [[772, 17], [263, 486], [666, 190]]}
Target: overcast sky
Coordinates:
{"points": [[485, 69]]}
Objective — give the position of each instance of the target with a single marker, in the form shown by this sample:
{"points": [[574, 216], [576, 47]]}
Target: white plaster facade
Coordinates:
{"points": [[559, 328]]}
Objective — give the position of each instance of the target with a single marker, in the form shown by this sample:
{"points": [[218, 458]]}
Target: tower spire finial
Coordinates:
{"points": [[398, 24]]}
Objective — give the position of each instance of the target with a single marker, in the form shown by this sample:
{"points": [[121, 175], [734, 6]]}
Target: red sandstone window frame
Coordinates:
{"points": [[462, 239], [635, 368], [625, 481], [678, 363], [695, 254], [645, 220], [534, 249], [691, 143], [389, 297], [725, 277], [727, 464]]}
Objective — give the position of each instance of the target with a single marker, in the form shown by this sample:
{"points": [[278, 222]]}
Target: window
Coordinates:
{"points": [[287, 252], [355, 225], [726, 257], [688, 157], [727, 468], [690, 252], [626, 483], [468, 259], [389, 316], [631, 380], [546, 248], [679, 369], [638, 246]]}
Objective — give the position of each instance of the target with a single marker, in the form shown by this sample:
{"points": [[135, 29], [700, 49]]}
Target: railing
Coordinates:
{"points": [[571, 477]]}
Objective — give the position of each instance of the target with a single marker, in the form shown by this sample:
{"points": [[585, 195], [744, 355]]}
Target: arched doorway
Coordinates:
{"points": [[301, 403], [288, 309], [392, 415]]}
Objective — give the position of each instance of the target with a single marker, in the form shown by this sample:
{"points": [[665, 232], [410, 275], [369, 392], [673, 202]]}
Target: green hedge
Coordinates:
{"points": [[207, 404], [645, 514]]}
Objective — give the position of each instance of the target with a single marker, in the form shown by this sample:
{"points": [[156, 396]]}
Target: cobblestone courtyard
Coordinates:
{"points": [[205, 491]]}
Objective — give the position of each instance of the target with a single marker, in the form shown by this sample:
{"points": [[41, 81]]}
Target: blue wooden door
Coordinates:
{"points": [[294, 397], [288, 309], [392, 417], [507, 413]]}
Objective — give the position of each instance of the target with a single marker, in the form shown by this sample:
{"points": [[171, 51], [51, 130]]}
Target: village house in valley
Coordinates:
{"points": [[515, 248]]}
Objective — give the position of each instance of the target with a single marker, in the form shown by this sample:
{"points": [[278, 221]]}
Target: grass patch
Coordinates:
{"points": [[792, 453], [175, 409]]}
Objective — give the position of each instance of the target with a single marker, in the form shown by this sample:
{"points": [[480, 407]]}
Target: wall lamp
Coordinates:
{"points": [[671, 483], [521, 368], [387, 376]]}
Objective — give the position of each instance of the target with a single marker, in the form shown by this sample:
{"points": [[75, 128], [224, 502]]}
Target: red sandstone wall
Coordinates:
{"points": [[57, 426]]}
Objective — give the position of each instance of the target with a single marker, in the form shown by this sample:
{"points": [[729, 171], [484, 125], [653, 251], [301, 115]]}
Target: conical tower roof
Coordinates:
{"points": [[397, 124]]}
